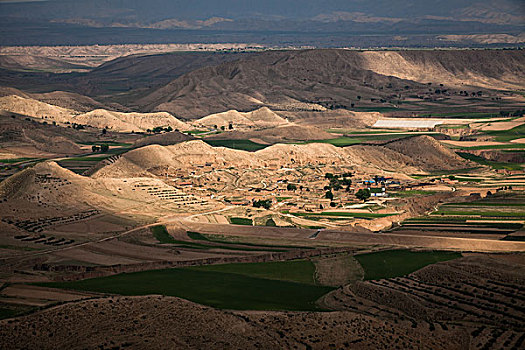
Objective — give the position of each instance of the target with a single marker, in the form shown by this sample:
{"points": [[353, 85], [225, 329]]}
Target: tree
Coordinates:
{"points": [[328, 176], [291, 187], [222, 128], [363, 194], [95, 148], [104, 131], [270, 222], [230, 126], [104, 148], [329, 195], [263, 203]]}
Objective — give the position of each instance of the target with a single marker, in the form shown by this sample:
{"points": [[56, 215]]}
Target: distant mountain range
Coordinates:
{"points": [[126, 21]]}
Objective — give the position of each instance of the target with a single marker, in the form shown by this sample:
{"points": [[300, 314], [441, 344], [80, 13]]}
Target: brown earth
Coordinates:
{"points": [[480, 292], [277, 134], [99, 118], [310, 80], [157, 322], [412, 155]]}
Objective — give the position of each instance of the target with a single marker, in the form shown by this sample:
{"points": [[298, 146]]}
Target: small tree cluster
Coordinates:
{"points": [[102, 148], [263, 203], [291, 187], [363, 194], [159, 129], [337, 182]]}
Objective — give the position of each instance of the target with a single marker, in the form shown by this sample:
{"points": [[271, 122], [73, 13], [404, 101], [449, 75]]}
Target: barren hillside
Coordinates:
{"points": [[129, 122], [375, 158], [209, 328], [309, 80], [277, 134], [260, 118], [99, 118], [500, 70], [426, 150]]}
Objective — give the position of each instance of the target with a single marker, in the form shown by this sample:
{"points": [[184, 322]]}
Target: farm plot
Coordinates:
{"points": [[394, 263], [481, 292], [245, 145], [234, 289], [500, 215]]}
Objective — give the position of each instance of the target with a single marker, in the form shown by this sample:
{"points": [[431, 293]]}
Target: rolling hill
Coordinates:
{"points": [[98, 118], [396, 157], [320, 79]]}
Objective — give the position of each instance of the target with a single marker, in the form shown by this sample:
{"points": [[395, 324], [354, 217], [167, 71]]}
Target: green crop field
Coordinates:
{"points": [[508, 135], [348, 141], [508, 146], [231, 245], [228, 290], [12, 310], [336, 214], [162, 235], [396, 263], [493, 164], [240, 241], [16, 160], [479, 212], [301, 271], [241, 221], [411, 193], [245, 145]]}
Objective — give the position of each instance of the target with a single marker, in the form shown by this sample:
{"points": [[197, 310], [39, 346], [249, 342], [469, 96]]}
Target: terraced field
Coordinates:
{"points": [[499, 215], [482, 293]]}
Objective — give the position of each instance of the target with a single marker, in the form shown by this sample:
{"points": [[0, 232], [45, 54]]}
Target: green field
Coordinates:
{"points": [[229, 240], [16, 160], [235, 289], [508, 135], [501, 147], [493, 164], [232, 245], [8, 311], [109, 143], [162, 235], [334, 215], [245, 145], [301, 271], [411, 193], [241, 221], [396, 263], [479, 212], [348, 141]]}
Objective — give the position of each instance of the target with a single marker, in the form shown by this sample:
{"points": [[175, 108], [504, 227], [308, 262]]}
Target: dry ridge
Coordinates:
{"points": [[397, 157], [99, 118], [156, 322]]}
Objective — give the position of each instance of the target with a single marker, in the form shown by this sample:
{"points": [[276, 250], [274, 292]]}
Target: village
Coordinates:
{"points": [[305, 188]]}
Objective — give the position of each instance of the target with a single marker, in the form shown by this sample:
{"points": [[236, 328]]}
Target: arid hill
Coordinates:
{"points": [[427, 150], [501, 70], [291, 132], [164, 139], [34, 108], [167, 322], [315, 78], [129, 122], [375, 158], [31, 62], [99, 118], [260, 118]]}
